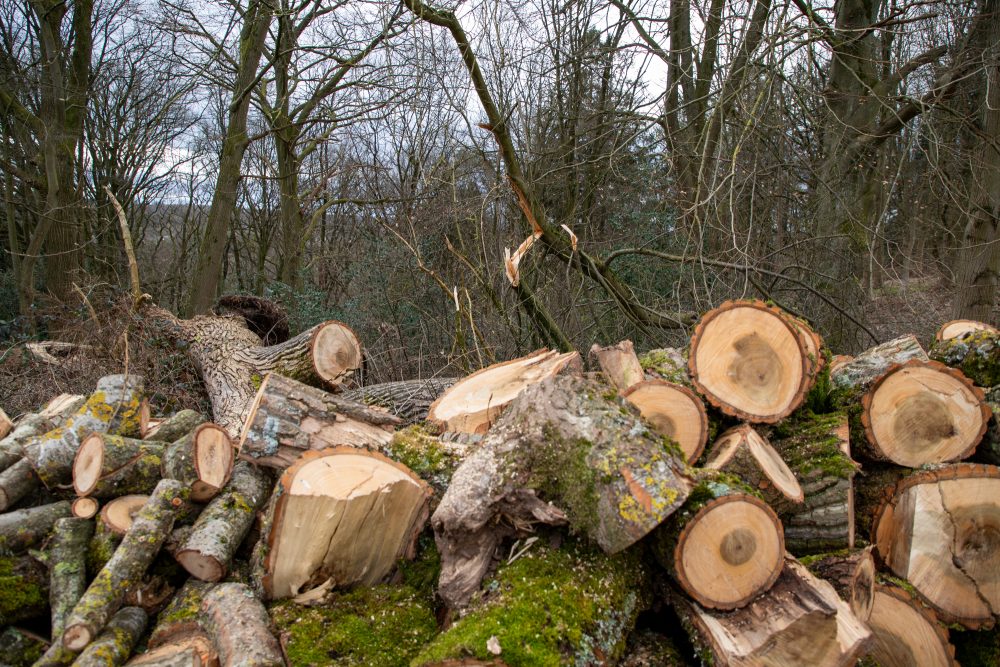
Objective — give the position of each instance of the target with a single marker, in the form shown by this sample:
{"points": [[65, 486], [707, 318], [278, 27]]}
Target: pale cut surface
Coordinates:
{"points": [[117, 514], [674, 411], [921, 413], [471, 405], [731, 549], [336, 352], [749, 362], [85, 508], [193, 650], [956, 328], [213, 459], [5, 424], [904, 637], [768, 461], [87, 464], [346, 516]]}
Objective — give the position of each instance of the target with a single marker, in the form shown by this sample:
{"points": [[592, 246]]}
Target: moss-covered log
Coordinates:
{"points": [[67, 568], [567, 449], [202, 459], [977, 648], [174, 427], [114, 645], [668, 363], [432, 459], [571, 605], [21, 648], [23, 529], [409, 399], [181, 615], [817, 450], [126, 567], [976, 354], [24, 589], [239, 627], [224, 523], [109, 466]]}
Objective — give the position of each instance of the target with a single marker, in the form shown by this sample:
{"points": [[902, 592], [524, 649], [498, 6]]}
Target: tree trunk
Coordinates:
{"points": [[172, 428], [239, 627]]}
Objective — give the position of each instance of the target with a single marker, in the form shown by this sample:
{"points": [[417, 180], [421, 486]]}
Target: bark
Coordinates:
{"points": [[852, 575], [194, 650], [976, 354], [239, 627], [607, 475], [23, 529], [114, 645], [409, 400], [173, 428], [68, 569], [180, 617], [16, 482], [858, 373], [201, 459]]}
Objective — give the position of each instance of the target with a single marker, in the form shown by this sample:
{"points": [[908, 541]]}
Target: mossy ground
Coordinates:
{"points": [[565, 606], [22, 591]]}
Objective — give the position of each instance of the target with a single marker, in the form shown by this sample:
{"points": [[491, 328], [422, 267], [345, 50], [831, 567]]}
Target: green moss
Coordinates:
{"points": [[423, 453], [809, 443], [667, 364], [818, 398], [380, 626], [560, 470], [20, 649], [568, 606], [422, 573], [23, 593], [976, 354]]}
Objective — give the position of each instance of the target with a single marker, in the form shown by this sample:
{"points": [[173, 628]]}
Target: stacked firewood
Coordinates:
{"points": [[788, 506]]}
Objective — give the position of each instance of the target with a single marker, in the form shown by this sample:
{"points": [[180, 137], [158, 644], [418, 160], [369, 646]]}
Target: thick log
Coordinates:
{"points": [[27, 528], [940, 533], [408, 399], [566, 450], [750, 362], [109, 466], [619, 364], [473, 403], [799, 621], [906, 631], [68, 568], [852, 575], [288, 418], [675, 412], [172, 428], [959, 328], [817, 450], [238, 626], [115, 643], [140, 545], [224, 523], [24, 589], [858, 373], [724, 547], [202, 458], [587, 601], [374, 508], [743, 452]]}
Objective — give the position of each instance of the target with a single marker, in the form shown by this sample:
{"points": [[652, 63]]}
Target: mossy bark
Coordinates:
{"points": [[670, 364], [115, 643], [224, 523], [409, 400], [239, 627], [126, 567], [177, 426], [27, 528], [976, 354], [24, 589], [551, 606], [181, 461], [128, 467], [102, 545], [872, 492], [433, 460], [21, 648], [67, 568], [180, 617]]}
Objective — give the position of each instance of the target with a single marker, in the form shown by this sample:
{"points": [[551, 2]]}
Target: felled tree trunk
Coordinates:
{"points": [[906, 632], [852, 575], [202, 458], [976, 354], [799, 621], [109, 466], [68, 569], [288, 417], [115, 643], [863, 369], [408, 399], [232, 359], [27, 528], [238, 625]]}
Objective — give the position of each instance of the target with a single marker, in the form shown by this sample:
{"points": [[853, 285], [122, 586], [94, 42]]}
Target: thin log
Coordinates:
{"points": [[238, 626], [114, 645], [68, 568], [30, 425], [85, 508], [409, 399], [16, 482], [743, 452], [27, 528], [180, 618], [174, 427]]}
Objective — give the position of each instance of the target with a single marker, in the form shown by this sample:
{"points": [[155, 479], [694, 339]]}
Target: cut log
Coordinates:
{"points": [[725, 546], [920, 413], [342, 514], [619, 363], [813, 345], [112, 408], [957, 328], [23, 529], [749, 361], [140, 545], [288, 418], [976, 354], [668, 363], [172, 428], [799, 621], [68, 568], [24, 589], [409, 399], [472, 404], [906, 632], [852, 575], [940, 532], [180, 618], [743, 452], [194, 650], [16, 482], [118, 514], [108, 466], [566, 450], [85, 508], [817, 450], [114, 645], [224, 523], [52, 416], [238, 626], [871, 364], [202, 458], [674, 411], [588, 603]]}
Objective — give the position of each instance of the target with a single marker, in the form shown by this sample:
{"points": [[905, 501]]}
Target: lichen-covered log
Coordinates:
{"points": [[407, 399], [24, 589], [288, 418], [30, 425], [110, 527], [799, 621], [202, 458], [619, 364], [571, 605], [67, 568], [114, 645], [224, 523], [817, 450], [567, 449], [431, 458], [743, 452], [724, 546], [866, 367], [239, 627], [140, 545], [976, 354], [906, 631], [181, 615], [193, 650], [958, 328], [23, 529], [852, 574], [21, 648], [172, 428], [112, 408], [109, 466]]}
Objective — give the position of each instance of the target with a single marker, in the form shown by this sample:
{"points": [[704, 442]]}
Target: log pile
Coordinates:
{"points": [[755, 501]]}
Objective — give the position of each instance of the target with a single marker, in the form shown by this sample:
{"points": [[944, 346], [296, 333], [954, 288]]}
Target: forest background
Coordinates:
{"points": [[381, 163]]}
